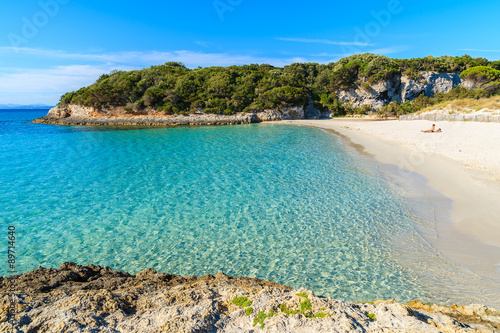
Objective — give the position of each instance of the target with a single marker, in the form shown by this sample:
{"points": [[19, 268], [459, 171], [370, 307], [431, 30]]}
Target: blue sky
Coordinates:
{"points": [[48, 47]]}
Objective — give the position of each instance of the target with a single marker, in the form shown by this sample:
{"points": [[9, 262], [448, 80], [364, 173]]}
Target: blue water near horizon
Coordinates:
{"points": [[294, 205]]}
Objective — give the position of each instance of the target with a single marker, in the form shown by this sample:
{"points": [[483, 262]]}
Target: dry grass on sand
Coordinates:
{"points": [[467, 105]]}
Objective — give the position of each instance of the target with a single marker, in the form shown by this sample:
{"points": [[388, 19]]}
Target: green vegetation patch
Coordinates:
{"points": [[483, 77], [242, 301], [371, 316], [261, 316], [248, 311], [481, 74], [287, 311], [305, 305]]}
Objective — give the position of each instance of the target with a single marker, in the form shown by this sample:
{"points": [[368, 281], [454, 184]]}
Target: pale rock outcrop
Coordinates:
{"points": [[71, 111], [288, 113], [430, 84], [399, 89], [375, 96]]}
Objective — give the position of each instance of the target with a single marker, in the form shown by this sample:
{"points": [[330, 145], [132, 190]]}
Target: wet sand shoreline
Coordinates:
{"points": [[470, 233]]}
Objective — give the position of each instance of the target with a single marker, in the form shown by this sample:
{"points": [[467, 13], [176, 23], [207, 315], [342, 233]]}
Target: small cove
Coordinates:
{"points": [[290, 204]]}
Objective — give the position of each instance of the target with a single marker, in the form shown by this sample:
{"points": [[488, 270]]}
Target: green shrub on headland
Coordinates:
{"points": [[481, 74], [174, 89], [483, 77]]}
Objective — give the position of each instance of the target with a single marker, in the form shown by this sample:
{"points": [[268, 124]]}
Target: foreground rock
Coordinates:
{"points": [[95, 299]]}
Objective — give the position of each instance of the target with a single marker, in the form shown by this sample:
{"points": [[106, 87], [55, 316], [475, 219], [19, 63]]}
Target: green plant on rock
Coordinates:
{"points": [[302, 295], [481, 74], [287, 311], [248, 311], [261, 316], [483, 77], [305, 305], [242, 301], [371, 316], [366, 86]]}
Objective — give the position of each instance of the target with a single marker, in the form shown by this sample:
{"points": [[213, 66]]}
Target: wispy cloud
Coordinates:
{"points": [[204, 44], [27, 86], [333, 57], [323, 41], [478, 50], [388, 50]]}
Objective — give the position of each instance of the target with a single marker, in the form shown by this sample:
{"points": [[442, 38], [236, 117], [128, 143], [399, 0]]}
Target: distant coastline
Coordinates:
{"points": [[25, 107]]}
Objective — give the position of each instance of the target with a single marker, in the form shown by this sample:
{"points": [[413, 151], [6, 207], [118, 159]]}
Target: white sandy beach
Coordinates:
{"points": [[462, 163]]}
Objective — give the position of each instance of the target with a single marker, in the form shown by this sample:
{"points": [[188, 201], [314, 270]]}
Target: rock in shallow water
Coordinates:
{"points": [[75, 298]]}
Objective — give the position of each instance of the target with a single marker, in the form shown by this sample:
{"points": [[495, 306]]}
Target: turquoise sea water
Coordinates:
{"points": [[290, 204]]}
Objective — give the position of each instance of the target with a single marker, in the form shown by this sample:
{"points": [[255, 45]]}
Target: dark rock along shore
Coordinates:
{"points": [[75, 298]]}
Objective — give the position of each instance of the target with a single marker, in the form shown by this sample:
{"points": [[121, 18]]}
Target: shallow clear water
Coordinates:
{"points": [[290, 204]]}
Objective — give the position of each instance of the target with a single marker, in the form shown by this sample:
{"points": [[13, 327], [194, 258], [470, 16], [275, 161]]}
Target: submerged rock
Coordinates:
{"points": [[75, 298]]}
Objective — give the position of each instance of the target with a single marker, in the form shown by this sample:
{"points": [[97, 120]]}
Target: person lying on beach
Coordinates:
{"points": [[432, 130]]}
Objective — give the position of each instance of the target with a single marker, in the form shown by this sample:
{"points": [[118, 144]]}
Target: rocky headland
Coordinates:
{"points": [[398, 89], [118, 116], [75, 298]]}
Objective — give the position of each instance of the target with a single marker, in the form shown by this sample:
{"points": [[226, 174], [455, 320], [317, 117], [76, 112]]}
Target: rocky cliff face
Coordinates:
{"points": [[76, 111], [96, 299], [400, 89]]}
